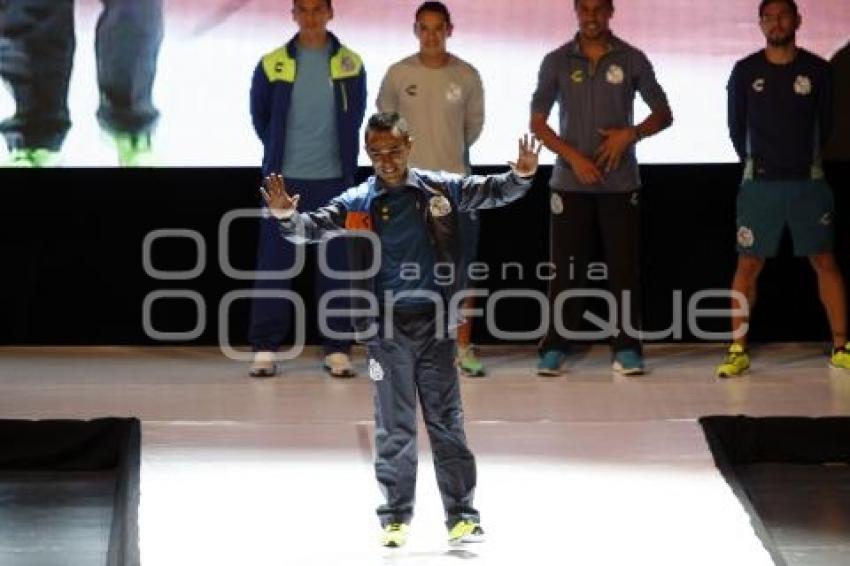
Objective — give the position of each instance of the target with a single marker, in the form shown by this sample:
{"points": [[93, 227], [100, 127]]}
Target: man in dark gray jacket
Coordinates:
{"points": [[413, 215], [595, 181]]}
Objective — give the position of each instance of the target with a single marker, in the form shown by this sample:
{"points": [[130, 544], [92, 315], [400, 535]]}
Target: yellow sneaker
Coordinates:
{"points": [[395, 535], [464, 531], [737, 362], [840, 358]]}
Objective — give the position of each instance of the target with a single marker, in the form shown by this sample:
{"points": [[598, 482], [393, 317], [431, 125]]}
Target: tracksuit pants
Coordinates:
{"points": [[271, 318], [36, 55], [415, 363], [579, 220]]}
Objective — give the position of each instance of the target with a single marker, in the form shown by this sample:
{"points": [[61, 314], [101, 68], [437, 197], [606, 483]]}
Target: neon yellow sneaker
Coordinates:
{"points": [[134, 150], [840, 358], [465, 531], [468, 363], [737, 362], [395, 535], [32, 157]]}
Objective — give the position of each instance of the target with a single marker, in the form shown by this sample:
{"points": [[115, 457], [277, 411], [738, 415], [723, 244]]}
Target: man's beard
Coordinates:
{"points": [[783, 41]]}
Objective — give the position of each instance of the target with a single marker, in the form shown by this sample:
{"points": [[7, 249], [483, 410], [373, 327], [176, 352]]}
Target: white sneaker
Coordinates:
{"points": [[263, 365], [338, 364]]}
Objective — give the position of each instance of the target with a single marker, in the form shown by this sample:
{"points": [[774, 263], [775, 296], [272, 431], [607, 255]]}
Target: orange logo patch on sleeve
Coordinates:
{"points": [[358, 221]]}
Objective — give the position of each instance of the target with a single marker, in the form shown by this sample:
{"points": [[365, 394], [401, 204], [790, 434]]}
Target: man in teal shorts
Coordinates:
{"points": [[765, 208], [780, 106]]}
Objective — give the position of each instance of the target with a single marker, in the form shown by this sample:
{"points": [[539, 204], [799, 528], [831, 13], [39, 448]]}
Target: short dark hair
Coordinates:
{"points": [[790, 3], [610, 4], [327, 3], [387, 122], [437, 7]]}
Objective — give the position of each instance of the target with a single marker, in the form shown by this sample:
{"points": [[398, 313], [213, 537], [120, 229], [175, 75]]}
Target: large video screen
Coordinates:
{"points": [[209, 49]]}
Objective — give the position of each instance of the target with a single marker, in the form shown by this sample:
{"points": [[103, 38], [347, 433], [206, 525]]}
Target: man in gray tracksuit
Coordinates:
{"points": [[413, 214]]}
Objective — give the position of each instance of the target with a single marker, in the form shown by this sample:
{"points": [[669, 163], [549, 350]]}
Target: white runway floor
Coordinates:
{"points": [[584, 469]]}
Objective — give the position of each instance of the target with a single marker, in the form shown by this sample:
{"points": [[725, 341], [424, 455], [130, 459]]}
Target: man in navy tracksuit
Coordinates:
{"points": [[414, 215], [308, 99]]}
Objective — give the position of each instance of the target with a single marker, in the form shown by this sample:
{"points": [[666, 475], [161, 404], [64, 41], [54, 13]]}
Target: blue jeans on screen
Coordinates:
{"points": [[36, 55]]}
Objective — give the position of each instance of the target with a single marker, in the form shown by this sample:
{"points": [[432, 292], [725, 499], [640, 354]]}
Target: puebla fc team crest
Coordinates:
{"points": [[615, 75], [556, 204], [803, 85], [440, 206], [376, 372], [348, 65], [746, 239], [454, 93]]}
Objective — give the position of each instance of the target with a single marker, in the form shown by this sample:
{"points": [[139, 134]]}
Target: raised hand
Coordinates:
{"points": [[276, 197], [529, 152], [616, 141]]}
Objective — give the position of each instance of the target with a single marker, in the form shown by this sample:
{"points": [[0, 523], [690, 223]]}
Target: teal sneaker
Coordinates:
{"points": [[466, 531], [550, 363], [134, 150], [840, 358], [468, 363], [32, 157], [395, 535], [628, 362]]}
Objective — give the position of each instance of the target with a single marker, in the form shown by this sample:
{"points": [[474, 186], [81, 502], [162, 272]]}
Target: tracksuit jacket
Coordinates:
{"points": [[441, 196], [271, 90]]}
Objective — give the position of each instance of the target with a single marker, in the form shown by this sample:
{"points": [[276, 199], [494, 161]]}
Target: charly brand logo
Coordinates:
{"points": [[758, 85], [577, 76], [411, 90]]}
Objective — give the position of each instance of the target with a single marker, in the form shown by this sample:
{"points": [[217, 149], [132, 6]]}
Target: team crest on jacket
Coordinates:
{"points": [[376, 372], [556, 203], [454, 93], [803, 85], [745, 237], [440, 206], [348, 64], [615, 75]]}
